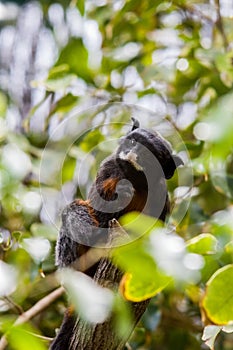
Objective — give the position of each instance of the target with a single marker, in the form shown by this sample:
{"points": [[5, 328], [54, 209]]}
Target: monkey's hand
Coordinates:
{"points": [[117, 235]]}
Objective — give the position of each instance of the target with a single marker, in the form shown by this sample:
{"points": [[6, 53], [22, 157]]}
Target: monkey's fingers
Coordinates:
{"points": [[117, 235]]}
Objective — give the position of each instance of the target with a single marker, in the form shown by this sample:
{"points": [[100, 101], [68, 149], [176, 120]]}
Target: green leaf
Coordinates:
{"points": [[3, 104], [143, 279], [204, 244], [91, 140], [65, 103], [140, 286], [59, 83], [75, 55], [59, 78], [81, 6], [229, 247], [43, 230], [58, 71], [21, 337], [218, 299], [139, 223], [122, 317], [68, 169]]}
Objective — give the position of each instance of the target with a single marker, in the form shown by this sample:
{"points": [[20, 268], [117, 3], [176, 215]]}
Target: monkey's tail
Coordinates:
{"points": [[63, 338]]}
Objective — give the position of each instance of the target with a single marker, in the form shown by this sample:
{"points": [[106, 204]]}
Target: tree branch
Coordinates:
{"points": [[33, 311]]}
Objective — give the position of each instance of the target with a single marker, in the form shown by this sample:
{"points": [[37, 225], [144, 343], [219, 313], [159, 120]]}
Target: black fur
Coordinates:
{"points": [[145, 160]]}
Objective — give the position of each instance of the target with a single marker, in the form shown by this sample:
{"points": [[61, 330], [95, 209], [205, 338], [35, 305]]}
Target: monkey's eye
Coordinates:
{"points": [[133, 142]]}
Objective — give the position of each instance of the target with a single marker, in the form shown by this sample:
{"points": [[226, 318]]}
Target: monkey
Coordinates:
{"points": [[133, 178]]}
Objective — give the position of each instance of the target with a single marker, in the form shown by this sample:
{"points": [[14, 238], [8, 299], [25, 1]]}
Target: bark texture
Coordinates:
{"points": [[103, 336]]}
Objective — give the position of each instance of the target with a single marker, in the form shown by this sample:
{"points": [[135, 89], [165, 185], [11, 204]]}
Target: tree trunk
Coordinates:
{"points": [[103, 336]]}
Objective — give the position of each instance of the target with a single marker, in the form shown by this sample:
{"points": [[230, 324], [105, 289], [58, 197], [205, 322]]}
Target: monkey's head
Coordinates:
{"points": [[140, 148]]}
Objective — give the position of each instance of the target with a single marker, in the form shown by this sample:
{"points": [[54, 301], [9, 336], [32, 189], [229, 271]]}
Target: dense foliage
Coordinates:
{"points": [[71, 77]]}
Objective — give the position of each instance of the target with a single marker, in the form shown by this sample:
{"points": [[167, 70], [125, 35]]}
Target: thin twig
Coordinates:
{"points": [[220, 25], [42, 337], [194, 11], [13, 305], [33, 311]]}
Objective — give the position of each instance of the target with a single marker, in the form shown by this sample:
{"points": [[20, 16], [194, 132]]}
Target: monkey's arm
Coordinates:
{"points": [[76, 233], [74, 240]]}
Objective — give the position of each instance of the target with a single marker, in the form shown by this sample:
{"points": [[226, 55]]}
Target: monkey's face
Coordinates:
{"points": [[148, 151]]}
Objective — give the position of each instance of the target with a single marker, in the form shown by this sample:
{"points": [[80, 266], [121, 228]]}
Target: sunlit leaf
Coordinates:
{"points": [[218, 299], [143, 279], [203, 244], [138, 287], [229, 247], [139, 223]]}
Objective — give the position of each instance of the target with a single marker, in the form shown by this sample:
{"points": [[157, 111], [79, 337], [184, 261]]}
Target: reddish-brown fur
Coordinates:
{"points": [[86, 203], [109, 187], [138, 202]]}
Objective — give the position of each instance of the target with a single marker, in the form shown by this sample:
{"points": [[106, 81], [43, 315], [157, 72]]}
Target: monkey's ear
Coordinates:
{"points": [[136, 124], [171, 166], [177, 160]]}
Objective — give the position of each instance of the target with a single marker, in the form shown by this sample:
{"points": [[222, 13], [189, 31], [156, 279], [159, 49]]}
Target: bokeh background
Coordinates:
{"points": [[72, 74]]}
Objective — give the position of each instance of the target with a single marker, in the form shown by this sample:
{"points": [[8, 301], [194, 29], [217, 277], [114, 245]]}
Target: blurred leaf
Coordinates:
{"points": [[60, 83], [59, 78], [27, 120], [58, 71], [145, 283], [68, 169], [65, 104], [122, 317], [204, 244], [209, 335], [43, 230], [81, 6], [21, 337], [91, 140], [143, 278], [229, 247], [218, 298], [211, 266], [3, 104], [75, 55], [220, 126], [139, 223], [152, 317], [93, 302], [224, 64]]}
